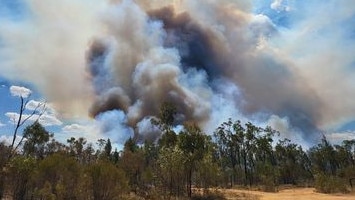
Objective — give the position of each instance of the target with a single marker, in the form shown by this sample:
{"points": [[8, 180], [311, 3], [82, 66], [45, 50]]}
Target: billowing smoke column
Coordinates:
{"points": [[182, 56], [214, 59], [137, 65]]}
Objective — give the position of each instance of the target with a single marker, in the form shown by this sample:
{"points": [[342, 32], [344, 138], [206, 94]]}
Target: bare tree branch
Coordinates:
{"points": [[39, 116], [20, 122]]}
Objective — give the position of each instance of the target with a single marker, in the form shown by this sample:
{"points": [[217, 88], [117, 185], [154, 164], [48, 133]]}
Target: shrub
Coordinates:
{"points": [[330, 184], [208, 195]]}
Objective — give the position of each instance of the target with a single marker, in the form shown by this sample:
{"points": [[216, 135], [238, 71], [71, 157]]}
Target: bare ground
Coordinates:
{"points": [[287, 194]]}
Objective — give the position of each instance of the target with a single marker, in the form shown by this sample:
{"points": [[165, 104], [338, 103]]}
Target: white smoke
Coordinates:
{"points": [[113, 125], [214, 59], [47, 48]]}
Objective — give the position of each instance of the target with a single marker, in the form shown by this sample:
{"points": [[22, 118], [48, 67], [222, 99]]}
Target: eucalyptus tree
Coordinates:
{"points": [[323, 157], [192, 142], [229, 138], [77, 148], [132, 162], [36, 139]]}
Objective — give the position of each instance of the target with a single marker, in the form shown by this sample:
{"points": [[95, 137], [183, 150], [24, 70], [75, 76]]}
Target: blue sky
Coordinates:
{"points": [[13, 8], [304, 21]]}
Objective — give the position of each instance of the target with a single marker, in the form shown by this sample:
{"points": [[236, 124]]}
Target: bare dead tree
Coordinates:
{"points": [[21, 120]]}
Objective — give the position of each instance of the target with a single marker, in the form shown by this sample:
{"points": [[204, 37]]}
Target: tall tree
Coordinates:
{"points": [[324, 157], [76, 148], [132, 162], [166, 118], [108, 149], [171, 164], [266, 170], [230, 137], [193, 144], [36, 138]]}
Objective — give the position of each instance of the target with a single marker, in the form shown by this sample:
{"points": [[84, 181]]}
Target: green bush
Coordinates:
{"points": [[330, 184]]}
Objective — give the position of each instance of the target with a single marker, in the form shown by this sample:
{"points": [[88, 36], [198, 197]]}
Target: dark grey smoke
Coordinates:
{"points": [[109, 95], [193, 43], [267, 85]]}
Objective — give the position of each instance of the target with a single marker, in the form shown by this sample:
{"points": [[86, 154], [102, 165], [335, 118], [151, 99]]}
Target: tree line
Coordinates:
{"points": [[174, 166]]}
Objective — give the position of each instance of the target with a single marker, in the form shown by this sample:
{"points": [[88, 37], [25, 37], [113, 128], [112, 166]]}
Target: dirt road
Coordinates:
{"points": [[288, 194]]}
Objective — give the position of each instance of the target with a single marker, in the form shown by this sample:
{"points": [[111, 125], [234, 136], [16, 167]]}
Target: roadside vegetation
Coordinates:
{"points": [[182, 165]]}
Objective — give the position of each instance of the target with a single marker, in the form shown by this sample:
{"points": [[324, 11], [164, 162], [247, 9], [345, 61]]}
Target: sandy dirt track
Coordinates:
{"points": [[288, 194]]}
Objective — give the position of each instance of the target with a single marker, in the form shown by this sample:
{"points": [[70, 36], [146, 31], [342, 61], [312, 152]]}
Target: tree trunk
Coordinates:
{"points": [[190, 183]]}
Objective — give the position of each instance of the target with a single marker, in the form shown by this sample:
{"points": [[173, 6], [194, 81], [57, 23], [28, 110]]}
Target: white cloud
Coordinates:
{"points": [[45, 114], [7, 139], [32, 105], [262, 26], [49, 120], [45, 119], [1, 124], [338, 137], [13, 117], [20, 91], [41, 106], [279, 5], [75, 128]]}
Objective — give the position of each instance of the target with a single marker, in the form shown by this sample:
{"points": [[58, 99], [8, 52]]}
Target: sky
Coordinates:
{"points": [[103, 67]]}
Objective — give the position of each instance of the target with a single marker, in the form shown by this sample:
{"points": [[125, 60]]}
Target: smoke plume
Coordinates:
{"points": [[214, 59]]}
